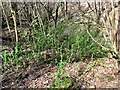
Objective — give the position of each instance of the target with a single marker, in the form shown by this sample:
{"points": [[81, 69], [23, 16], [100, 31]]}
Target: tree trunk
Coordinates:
{"points": [[118, 29]]}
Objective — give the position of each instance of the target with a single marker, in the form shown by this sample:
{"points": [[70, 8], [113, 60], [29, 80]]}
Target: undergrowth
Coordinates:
{"points": [[74, 43]]}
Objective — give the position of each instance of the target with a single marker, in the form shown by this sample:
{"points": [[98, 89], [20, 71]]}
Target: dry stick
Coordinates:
{"points": [[5, 16], [95, 6], [118, 31], [109, 21], [100, 44], [106, 29], [96, 41], [96, 15], [32, 14], [109, 32], [115, 52], [105, 25], [38, 14], [113, 25], [47, 10], [14, 20], [103, 31], [112, 32], [90, 5], [20, 15], [54, 18], [66, 8]]}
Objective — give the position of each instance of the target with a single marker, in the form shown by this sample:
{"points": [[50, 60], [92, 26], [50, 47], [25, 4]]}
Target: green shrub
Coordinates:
{"points": [[75, 43]]}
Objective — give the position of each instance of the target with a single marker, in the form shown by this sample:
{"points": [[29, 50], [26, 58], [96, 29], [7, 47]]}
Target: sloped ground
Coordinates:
{"points": [[101, 73]]}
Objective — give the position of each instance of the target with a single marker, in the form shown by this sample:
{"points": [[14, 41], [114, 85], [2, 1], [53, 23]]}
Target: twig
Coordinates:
{"points": [[14, 20], [96, 41], [5, 16]]}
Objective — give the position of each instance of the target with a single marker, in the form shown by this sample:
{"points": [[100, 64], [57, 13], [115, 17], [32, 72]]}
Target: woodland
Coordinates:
{"points": [[60, 44]]}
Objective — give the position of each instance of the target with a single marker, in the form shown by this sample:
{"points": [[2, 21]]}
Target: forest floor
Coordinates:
{"points": [[85, 74], [98, 73]]}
